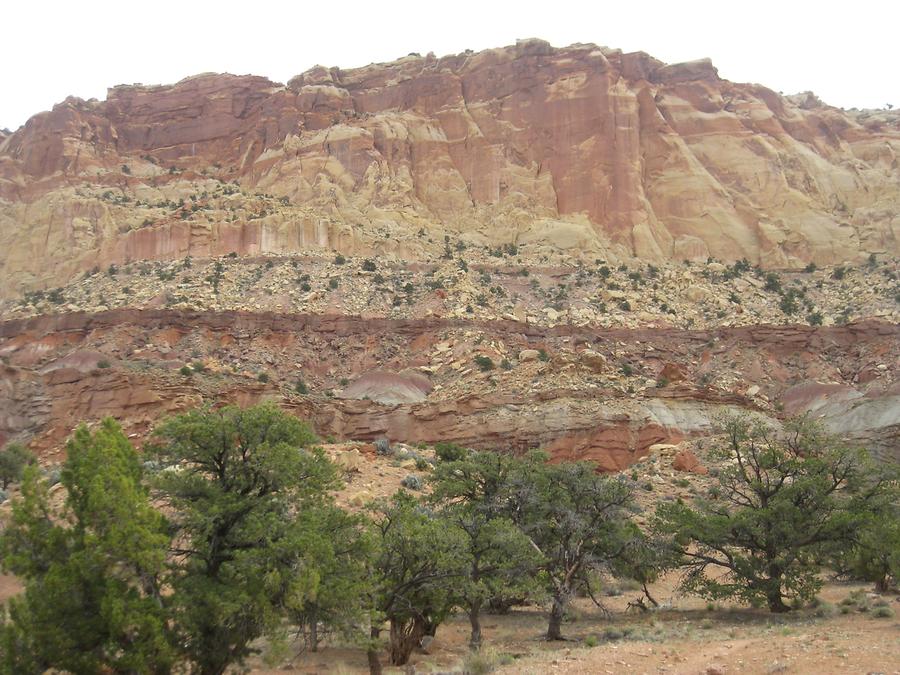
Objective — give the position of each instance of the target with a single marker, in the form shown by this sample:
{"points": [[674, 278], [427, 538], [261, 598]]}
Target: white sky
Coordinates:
{"points": [[845, 52]]}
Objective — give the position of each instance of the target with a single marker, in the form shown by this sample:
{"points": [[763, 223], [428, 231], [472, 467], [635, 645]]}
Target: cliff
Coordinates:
{"points": [[579, 152]]}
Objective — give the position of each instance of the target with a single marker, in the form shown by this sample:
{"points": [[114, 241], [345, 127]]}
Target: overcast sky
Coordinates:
{"points": [[845, 52]]}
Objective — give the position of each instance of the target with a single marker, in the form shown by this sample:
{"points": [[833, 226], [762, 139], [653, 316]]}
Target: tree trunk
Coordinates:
{"points": [[314, 632], [475, 622], [554, 628], [372, 652], [773, 589], [405, 638], [649, 597], [775, 601]]}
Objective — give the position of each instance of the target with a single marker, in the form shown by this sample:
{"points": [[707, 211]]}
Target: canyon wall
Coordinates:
{"points": [[582, 152]]}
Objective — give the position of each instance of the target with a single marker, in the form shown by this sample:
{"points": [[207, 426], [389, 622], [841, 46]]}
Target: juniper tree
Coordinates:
{"points": [[875, 554], [14, 457], [474, 493], [578, 520], [334, 554], [235, 481], [418, 564], [92, 600], [781, 503]]}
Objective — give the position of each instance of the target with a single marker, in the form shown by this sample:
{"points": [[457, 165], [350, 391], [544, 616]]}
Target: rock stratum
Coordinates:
{"points": [[575, 399], [582, 151]]}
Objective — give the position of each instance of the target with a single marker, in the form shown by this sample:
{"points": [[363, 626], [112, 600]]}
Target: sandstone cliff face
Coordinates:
{"points": [[583, 150]]}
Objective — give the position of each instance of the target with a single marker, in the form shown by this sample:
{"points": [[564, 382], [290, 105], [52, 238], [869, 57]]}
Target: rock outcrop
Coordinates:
{"points": [[61, 370], [582, 151]]}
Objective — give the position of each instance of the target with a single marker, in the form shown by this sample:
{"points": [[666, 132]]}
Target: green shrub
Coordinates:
{"points": [[788, 304], [103, 363], [484, 363], [301, 387], [591, 641], [484, 661], [412, 482], [14, 457], [612, 633], [368, 265], [263, 377], [339, 259], [186, 371], [450, 452], [882, 613]]}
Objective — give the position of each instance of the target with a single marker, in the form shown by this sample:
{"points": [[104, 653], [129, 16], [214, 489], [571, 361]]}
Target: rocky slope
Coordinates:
{"points": [[576, 152], [605, 394]]}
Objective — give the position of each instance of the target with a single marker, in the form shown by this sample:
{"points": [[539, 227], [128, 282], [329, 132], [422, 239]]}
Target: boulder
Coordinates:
{"points": [[594, 361], [687, 461], [673, 372]]}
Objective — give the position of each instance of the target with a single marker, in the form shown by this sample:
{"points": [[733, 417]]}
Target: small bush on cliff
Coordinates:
{"points": [[450, 452], [773, 282], [412, 482], [484, 363], [14, 457]]}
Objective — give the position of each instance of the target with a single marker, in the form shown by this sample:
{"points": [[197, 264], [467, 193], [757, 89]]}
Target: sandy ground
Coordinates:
{"points": [[684, 639]]}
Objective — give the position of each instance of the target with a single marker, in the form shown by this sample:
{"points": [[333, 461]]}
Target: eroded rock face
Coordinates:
{"points": [[388, 388], [584, 150], [51, 380]]}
